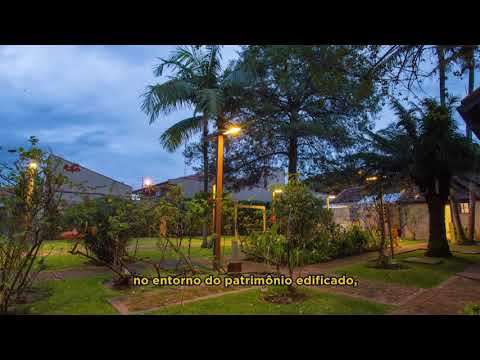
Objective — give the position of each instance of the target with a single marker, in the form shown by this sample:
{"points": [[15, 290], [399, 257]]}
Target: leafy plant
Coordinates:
{"points": [[29, 214]]}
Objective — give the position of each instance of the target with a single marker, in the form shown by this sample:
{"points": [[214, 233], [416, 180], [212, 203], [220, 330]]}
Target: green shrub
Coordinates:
{"points": [[269, 246]]}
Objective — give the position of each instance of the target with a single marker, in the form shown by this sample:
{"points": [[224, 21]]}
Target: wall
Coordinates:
{"points": [[415, 221]]}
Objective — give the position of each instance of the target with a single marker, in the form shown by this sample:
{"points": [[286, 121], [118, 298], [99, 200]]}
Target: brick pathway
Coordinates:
{"points": [[449, 298]]}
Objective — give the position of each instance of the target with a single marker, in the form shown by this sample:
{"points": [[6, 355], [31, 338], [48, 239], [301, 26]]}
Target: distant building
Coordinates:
{"points": [[86, 183], [193, 184], [409, 210]]}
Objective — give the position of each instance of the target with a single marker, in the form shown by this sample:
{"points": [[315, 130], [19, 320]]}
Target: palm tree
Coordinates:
{"points": [[197, 82], [465, 55], [425, 148]]}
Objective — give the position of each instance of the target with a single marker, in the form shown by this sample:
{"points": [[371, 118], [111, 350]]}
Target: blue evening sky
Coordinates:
{"points": [[83, 103]]}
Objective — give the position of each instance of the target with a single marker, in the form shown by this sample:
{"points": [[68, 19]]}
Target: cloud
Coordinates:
{"points": [[83, 102]]}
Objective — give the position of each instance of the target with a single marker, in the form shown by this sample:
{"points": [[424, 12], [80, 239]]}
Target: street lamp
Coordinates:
{"points": [[329, 197], [275, 192], [382, 213], [233, 131]]}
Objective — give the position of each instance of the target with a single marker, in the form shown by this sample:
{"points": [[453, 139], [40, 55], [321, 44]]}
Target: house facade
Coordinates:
{"points": [[406, 208]]}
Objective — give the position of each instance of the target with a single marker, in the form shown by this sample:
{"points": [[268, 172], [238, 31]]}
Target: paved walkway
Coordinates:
{"points": [[449, 298]]}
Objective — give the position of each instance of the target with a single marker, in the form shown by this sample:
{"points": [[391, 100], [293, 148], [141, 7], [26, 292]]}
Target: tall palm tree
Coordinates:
{"points": [[196, 82], [425, 148]]}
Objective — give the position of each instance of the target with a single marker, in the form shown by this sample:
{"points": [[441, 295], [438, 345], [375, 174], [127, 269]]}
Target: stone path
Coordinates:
{"points": [[449, 298]]}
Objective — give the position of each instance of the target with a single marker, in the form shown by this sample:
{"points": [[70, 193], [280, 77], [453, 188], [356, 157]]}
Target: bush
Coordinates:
{"points": [[269, 246], [106, 224]]}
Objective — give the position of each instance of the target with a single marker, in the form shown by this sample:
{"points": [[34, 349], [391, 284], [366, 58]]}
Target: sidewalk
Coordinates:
{"points": [[449, 298]]}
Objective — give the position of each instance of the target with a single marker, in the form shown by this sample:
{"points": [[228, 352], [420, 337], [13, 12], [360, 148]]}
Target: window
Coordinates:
{"points": [[464, 209]]}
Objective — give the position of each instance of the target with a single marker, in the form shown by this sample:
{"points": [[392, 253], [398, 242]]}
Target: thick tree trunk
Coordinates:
{"points": [[205, 180], [437, 243], [292, 157], [457, 223]]}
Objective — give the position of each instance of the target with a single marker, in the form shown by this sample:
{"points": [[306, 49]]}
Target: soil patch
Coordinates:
{"points": [[424, 260], [295, 297]]}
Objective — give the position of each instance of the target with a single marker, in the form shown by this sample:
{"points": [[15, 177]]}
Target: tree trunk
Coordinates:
{"points": [[471, 214], [471, 193], [205, 179], [437, 242], [292, 157], [382, 258], [457, 223], [442, 65]]}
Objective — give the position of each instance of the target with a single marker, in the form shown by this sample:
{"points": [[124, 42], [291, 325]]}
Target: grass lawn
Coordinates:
{"points": [[419, 275], [57, 257], [408, 242], [251, 303], [75, 296]]}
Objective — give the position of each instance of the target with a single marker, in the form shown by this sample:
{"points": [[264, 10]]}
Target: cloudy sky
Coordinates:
{"points": [[83, 102]]}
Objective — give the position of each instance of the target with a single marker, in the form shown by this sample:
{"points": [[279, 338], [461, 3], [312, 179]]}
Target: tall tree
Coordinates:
{"points": [[465, 57], [196, 82], [307, 104], [425, 147]]}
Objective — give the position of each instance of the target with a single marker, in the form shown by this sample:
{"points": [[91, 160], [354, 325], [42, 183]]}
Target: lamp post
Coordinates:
{"points": [[330, 197], [234, 130], [275, 192], [32, 168], [382, 214]]}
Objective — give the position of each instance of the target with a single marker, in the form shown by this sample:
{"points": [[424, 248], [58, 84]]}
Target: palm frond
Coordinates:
{"points": [[177, 134], [167, 97], [405, 119], [210, 101]]}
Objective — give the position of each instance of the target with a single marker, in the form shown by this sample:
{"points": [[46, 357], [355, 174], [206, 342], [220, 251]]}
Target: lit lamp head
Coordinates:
{"points": [[372, 178], [277, 191], [147, 182], [234, 131], [331, 197], [32, 165]]}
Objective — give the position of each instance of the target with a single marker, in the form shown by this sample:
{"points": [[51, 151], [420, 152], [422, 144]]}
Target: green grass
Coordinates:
{"points": [[57, 256], [251, 303], [409, 242], [75, 296], [419, 275]]}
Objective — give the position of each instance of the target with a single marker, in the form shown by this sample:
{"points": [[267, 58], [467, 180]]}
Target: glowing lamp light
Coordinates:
{"points": [[234, 130], [278, 191], [147, 182], [372, 178], [332, 197], [33, 165]]}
